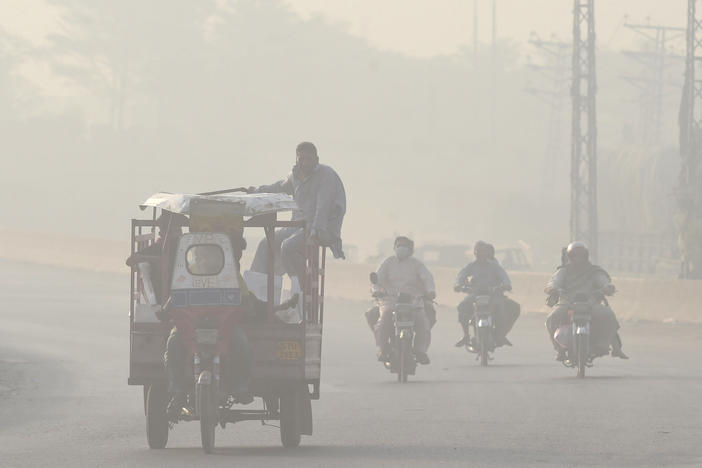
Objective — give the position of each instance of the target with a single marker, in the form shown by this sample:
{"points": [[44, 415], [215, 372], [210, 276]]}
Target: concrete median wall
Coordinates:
{"points": [[637, 299]]}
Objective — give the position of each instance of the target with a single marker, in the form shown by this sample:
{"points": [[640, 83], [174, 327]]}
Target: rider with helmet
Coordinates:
{"points": [[403, 273], [575, 277], [485, 272]]}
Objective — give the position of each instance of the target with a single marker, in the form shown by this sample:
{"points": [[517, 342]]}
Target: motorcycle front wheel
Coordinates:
{"points": [[581, 354], [208, 417], [483, 347], [405, 355]]}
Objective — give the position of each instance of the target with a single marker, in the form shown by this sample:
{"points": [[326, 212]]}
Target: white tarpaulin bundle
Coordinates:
{"points": [[242, 204]]}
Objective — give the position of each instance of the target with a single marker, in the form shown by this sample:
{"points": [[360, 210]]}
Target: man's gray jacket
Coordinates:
{"points": [[321, 199], [487, 274]]}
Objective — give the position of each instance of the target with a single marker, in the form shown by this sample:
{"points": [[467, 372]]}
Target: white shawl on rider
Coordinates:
{"points": [[409, 276]]}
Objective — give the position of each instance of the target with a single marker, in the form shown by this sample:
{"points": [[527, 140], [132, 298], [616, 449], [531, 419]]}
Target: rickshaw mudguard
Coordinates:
{"points": [[147, 344]]}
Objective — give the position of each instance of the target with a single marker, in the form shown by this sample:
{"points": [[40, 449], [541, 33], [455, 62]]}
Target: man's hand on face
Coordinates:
{"points": [[306, 163]]}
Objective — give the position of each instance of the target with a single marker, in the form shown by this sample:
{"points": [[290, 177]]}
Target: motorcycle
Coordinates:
{"points": [[574, 337], [483, 321], [402, 361]]}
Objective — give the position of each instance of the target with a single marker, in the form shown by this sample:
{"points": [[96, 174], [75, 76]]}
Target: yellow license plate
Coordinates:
{"points": [[289, 351]]}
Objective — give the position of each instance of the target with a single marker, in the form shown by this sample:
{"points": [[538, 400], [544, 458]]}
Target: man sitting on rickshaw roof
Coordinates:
{"points": [[321, 199]]}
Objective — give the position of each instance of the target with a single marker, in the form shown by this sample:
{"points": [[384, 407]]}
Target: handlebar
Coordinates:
{"points": [[473, 290], [598, 294]]}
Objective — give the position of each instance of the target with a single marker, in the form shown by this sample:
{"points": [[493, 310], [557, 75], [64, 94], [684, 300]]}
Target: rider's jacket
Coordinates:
{"points": [[487, 274], [578, 279], [321, 198], [408, 276]]}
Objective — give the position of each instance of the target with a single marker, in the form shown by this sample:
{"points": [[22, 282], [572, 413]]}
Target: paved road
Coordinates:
{"points": [[64, 399]]}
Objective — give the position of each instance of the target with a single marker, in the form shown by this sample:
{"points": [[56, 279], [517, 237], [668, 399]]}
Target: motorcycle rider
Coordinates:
{"points": [[486, 272], [578, 276], [403, 273]]}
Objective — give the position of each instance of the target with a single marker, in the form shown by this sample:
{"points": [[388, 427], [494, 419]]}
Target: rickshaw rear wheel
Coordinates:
{"points": [[156, 417], [289, 424]]}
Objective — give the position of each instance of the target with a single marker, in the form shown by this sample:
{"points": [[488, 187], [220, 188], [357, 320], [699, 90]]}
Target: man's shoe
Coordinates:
{"points": [[502, 341], [175, 406], [561, 356], [421, 358], [619, 353], [462, 342], [383, 356], [473, 345]]}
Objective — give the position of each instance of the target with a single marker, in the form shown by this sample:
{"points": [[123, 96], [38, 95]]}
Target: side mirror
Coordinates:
{"points": [[374, 278]]}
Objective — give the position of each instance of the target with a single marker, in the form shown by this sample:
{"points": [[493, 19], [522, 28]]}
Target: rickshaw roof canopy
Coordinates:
{"points": [[243, 204]]}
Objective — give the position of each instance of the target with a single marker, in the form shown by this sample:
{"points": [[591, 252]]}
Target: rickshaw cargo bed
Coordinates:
{"points": [[284, 351]]}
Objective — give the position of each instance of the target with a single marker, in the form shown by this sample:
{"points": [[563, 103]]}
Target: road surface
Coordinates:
{"points": [[64, 399]]}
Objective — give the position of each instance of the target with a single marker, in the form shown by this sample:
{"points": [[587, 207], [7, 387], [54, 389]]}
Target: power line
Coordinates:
{"points": [[652, 81], [556, 72]]}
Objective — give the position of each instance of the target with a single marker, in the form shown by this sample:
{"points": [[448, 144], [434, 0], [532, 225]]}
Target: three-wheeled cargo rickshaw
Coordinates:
{"points": [[200, 285]]}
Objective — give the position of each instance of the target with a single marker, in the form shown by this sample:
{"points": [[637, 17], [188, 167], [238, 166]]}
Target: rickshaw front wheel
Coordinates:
{"points": [[156, 417]]}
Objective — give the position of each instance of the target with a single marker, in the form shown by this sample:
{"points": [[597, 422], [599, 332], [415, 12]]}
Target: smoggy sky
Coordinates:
{"points": [[422, 27]]}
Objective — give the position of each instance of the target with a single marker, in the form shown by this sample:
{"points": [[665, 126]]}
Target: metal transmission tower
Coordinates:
{"points": [[583, 169], [690, 217], [653, 81], [556, 71]]}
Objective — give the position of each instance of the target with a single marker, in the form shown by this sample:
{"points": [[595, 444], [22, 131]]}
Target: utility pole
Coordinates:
{"points": [[475, 31], [690, 216], [653, 80], [556, 71], [583, 171], [493, 81]]}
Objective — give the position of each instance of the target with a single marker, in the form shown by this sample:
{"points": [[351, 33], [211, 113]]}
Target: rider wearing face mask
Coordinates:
{"points": [[575, 277], [403, 273], [486, 272]]}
